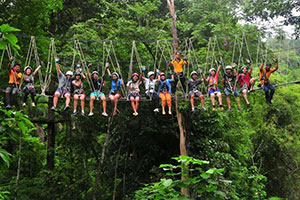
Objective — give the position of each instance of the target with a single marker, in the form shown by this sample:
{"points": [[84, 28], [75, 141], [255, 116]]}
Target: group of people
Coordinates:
{"points": [[72, 85]]}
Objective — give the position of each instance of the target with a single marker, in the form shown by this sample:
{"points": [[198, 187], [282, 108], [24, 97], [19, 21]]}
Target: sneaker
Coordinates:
{"points": [[90, 114], [203, 108], [24, 104], [105, 114], [33, 104], [239, 109], [163, 112], [193, 109], [53, 108], [229, 110], [8, 106], [115, 113], [170, 112], [156, 110], [82, 112], [75, 112], [214, 108], [221, 107], [66, 108]]}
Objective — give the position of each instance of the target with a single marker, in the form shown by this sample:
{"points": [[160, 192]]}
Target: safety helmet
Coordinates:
{"points": [[115, 73], [244, 67], [135, 74], [69, 73], [95, 72], [27, 67], [162, 74], [228, 67], [212, 69], [78, 74], [150, 74], [194, 72]]}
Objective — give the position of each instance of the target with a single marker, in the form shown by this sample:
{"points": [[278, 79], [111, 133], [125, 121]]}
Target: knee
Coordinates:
{"points": [[137, 99], [131, 99], [82, 97], [75, 97], [219, 94], [103, 98], [201, 96], [92, 98]]}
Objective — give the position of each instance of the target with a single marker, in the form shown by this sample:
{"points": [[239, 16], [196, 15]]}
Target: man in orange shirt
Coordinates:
{"points": [[264, 75], [178, 64], [12, 90]]}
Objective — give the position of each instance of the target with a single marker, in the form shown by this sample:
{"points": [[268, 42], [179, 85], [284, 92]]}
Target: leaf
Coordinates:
{"points": [[5, 157], [3, 44], [5, 28], [11, 38]]}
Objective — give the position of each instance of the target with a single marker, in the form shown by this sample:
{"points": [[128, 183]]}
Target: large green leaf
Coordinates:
{"points": [[3, 44], [12, 39], [5, 28]]}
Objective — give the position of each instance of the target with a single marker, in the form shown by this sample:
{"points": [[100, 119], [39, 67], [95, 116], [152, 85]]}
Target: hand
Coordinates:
{"points": [[172, 59], [220, 62], [78, 65], [233, 65], [11, 59], [90, 65], [106, 65], [200, 70], [263, 60], [248, 61], [157, 71], [275, 60], [143, 69], [56, 60]]}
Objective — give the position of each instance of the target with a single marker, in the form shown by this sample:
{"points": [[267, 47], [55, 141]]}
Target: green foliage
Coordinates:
{"points": [[200, 182], [7, 38]]}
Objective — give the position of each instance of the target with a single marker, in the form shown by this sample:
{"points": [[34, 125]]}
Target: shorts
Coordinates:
{"points": [[97, 94], [228, 92], [134, 95], [79, 93], [62, 91], [195, 93], [211, 91]]}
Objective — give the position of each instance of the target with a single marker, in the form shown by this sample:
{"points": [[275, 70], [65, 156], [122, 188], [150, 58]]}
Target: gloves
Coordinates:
{"points": [[248, 61], [172, 59], [275, 60], [200, 70], [107, 65], [56, 60], [143, 69], [11, 59], [90, 65], [263, 60], [41, 63], [220, 62], [185, 59], [157, 71], [78, 65]]}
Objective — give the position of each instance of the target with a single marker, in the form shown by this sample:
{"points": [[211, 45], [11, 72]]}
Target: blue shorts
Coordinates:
{"points": [[62, 91], [228, 92], [134, 95], [211, 91], [97, 94]]}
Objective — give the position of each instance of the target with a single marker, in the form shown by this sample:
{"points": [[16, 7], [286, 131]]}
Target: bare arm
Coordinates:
{"points": [[251, 68], [36, 70], [262, 64], [77, 83], [276, 64]]}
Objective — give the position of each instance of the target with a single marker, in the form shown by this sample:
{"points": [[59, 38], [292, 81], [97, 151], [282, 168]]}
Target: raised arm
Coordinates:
{"points": [[37, 69], [107, 69], [276, 64], [57, 65], [262, 64], [88, 71]]}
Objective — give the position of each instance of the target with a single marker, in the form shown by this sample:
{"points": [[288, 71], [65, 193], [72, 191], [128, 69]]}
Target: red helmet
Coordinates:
{"points": [[162, 74], [135, 74]]}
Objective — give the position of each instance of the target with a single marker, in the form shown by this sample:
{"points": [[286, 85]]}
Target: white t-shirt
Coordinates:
{"points": [[134, 87], [149, 85]]}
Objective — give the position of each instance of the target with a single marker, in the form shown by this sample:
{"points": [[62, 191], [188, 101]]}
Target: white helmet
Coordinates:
{"points": [[28, 67], [69, 73], [212, 69], [115, 73], [95, 72], [150, 74], [244, 67], [228, 67], [194, 72]]}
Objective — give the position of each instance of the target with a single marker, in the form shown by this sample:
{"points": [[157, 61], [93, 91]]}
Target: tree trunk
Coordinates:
{"points": [[182, 131]]}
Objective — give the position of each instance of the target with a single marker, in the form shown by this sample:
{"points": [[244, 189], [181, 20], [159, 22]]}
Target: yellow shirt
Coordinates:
{"points": [[178, 65], [13, 79]]}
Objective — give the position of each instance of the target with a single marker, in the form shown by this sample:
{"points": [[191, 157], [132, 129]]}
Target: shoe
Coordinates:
{"points": [[193, 109], [203, 109], [170, 112], [66, 108], [8, 107], [163, 112], [75, 112], [214, 108], [33, 104], [156, 110], [239, 109], [82, 112], [53, 108], [105, 114], [229, 110], [248, 105], [24, 104], [90, 114], [221, 107], [115, 113]]}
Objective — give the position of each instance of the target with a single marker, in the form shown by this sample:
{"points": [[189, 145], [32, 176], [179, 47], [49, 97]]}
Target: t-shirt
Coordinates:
{"points": [[63, 82], [80, 87], [264, 75], [97, 84], [194, 84], [149, 85], [115, 85], [244, 79], [229, 80], [12, 78], [134, 87], [213, 81], [178, 65], [28, 80]]}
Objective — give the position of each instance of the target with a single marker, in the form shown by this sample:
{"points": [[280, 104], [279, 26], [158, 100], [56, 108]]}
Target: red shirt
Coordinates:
{"points": [[213, 81], [244, 79]]}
